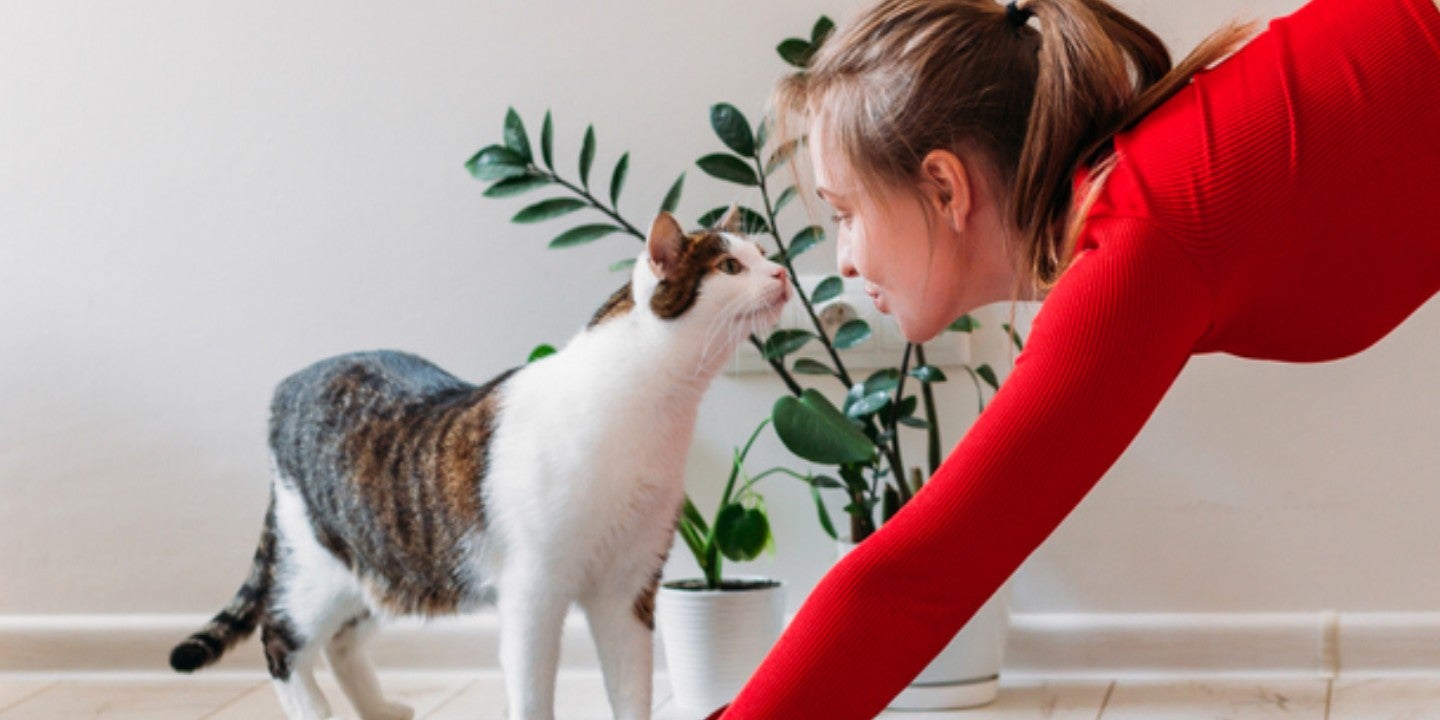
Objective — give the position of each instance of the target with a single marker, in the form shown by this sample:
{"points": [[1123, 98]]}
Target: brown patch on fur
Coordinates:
{"points": [[677, 292], [623, 301], [415, 472], [280, 645], [645, 602]]}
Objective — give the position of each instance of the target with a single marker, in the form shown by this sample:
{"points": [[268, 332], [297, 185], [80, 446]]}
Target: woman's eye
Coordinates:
{"points": [[839, 219], [731, 266]]}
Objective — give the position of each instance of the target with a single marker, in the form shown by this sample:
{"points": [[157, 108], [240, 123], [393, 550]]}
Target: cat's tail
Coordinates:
{"points": [[238, 620]]}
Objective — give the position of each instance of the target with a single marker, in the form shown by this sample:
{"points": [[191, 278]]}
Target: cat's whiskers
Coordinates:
{"points": [[726, 321]]}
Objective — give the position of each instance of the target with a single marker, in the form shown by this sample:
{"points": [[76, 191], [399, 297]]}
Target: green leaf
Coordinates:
{"points": [[672, 198], [822, 30], [515, 137], [806, 239], [692, 515], [914, 422], [811, 427], [825, 524], [751, 222], [496, 162], [547, 134], [807, 366], [540, 351], [907, 407], [854, 480], [617, 180], [547, 209], [1014, 337], [882, 381], [965, 323], [732, 128], [795, 51], [741, 532], [783, 342], [988, 375], [828, 289], [851, 334], [856, 392], [928, 373], [728, 167], [786, 196], [516, 185], [625, 264], [781, 156], [827, 482], [583, 234], [587, 156], [869, 405], [762, 132]]}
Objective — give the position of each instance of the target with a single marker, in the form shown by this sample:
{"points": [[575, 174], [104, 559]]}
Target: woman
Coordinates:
{"points": [[1274, 207]]}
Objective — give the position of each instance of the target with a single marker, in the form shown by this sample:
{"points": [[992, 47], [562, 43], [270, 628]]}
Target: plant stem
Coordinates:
{"points": [[779, 365], [767, 473], [928, 395], [897, 463], [795, 277], [582, 192], [979, 396]]}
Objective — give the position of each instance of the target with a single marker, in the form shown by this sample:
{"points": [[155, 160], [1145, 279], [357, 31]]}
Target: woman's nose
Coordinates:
{"points": [[779, 274], [842, 260]]}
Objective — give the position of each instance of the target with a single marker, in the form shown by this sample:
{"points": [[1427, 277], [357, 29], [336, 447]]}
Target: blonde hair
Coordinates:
{"points": [[910, 76]]}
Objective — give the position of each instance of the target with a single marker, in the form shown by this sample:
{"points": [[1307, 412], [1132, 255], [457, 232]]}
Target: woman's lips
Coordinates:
{"points": [[874, 294]]}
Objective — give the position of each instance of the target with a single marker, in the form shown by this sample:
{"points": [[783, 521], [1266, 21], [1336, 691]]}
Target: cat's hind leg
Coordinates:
{"points": [[312, 594], [291, 660], [356, 675]]}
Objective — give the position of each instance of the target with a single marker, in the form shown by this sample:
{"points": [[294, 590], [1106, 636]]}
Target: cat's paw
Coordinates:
{"points": [[391, 711]]}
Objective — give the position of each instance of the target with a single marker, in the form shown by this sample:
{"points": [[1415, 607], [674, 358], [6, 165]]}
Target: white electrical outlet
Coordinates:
{"points": [[884, 348]]}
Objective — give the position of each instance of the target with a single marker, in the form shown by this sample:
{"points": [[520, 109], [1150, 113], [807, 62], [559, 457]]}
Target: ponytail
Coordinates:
{"points": [[1100, 72]]}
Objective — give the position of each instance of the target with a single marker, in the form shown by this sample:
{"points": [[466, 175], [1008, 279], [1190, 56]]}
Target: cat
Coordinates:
{"points": [[398, 489]]}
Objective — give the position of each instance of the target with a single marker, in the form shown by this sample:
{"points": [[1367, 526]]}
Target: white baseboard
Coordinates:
{"points": [[1319, 644]]}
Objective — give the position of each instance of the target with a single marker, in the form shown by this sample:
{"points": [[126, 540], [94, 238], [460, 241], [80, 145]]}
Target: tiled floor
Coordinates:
{"points": [[581, 697]]}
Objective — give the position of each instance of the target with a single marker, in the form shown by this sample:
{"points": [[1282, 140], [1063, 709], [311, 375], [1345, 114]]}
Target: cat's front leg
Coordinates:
{"points": [[532, 617], [622, 624]]}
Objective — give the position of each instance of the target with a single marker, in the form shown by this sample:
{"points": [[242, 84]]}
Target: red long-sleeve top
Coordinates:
{"points": [[1282, 206]]}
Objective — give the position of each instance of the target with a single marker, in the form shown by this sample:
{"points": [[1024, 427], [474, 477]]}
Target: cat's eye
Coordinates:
{"points": [[730, 266]]}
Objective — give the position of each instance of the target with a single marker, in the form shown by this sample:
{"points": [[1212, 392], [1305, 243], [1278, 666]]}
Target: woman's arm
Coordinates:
{"points": [[1104, 349]]}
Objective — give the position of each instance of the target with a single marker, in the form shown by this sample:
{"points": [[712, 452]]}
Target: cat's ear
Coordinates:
{"points": [[667, 239], [731, 221]]}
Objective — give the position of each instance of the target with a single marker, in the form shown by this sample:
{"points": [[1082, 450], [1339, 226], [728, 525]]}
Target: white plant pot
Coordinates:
{"points": [[966, 673], [714, 639]]}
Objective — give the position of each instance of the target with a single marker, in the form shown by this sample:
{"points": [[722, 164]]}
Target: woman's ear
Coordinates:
{"points": [[946, 179]]}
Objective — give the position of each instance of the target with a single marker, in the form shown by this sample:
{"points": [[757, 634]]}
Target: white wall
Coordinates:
{"points": [[198, 198]]}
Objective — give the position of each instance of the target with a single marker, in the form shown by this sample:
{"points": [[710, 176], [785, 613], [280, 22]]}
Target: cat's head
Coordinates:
{"points": [[713, 281]]}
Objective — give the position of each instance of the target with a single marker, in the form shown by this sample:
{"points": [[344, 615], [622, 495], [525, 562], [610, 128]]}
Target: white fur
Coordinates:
{"points": [[318, 593], [585, 480]]}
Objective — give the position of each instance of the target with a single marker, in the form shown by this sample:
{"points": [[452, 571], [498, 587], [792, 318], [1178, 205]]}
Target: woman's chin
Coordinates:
{"points": [[917, 330]]}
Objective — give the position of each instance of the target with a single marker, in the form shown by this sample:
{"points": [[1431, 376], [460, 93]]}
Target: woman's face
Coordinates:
{"points": [[917, 264]]}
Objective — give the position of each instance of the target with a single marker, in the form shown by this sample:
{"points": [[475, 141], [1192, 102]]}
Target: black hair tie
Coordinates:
{"points": [[1017, 15]]}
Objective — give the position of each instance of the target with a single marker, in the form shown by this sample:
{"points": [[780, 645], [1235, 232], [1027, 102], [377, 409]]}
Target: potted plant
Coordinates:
{"points": [[860, 438], [716, 629], [966, 673]]}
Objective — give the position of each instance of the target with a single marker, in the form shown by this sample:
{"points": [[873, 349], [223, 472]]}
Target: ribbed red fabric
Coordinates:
{"points": [[1282, 206]]}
